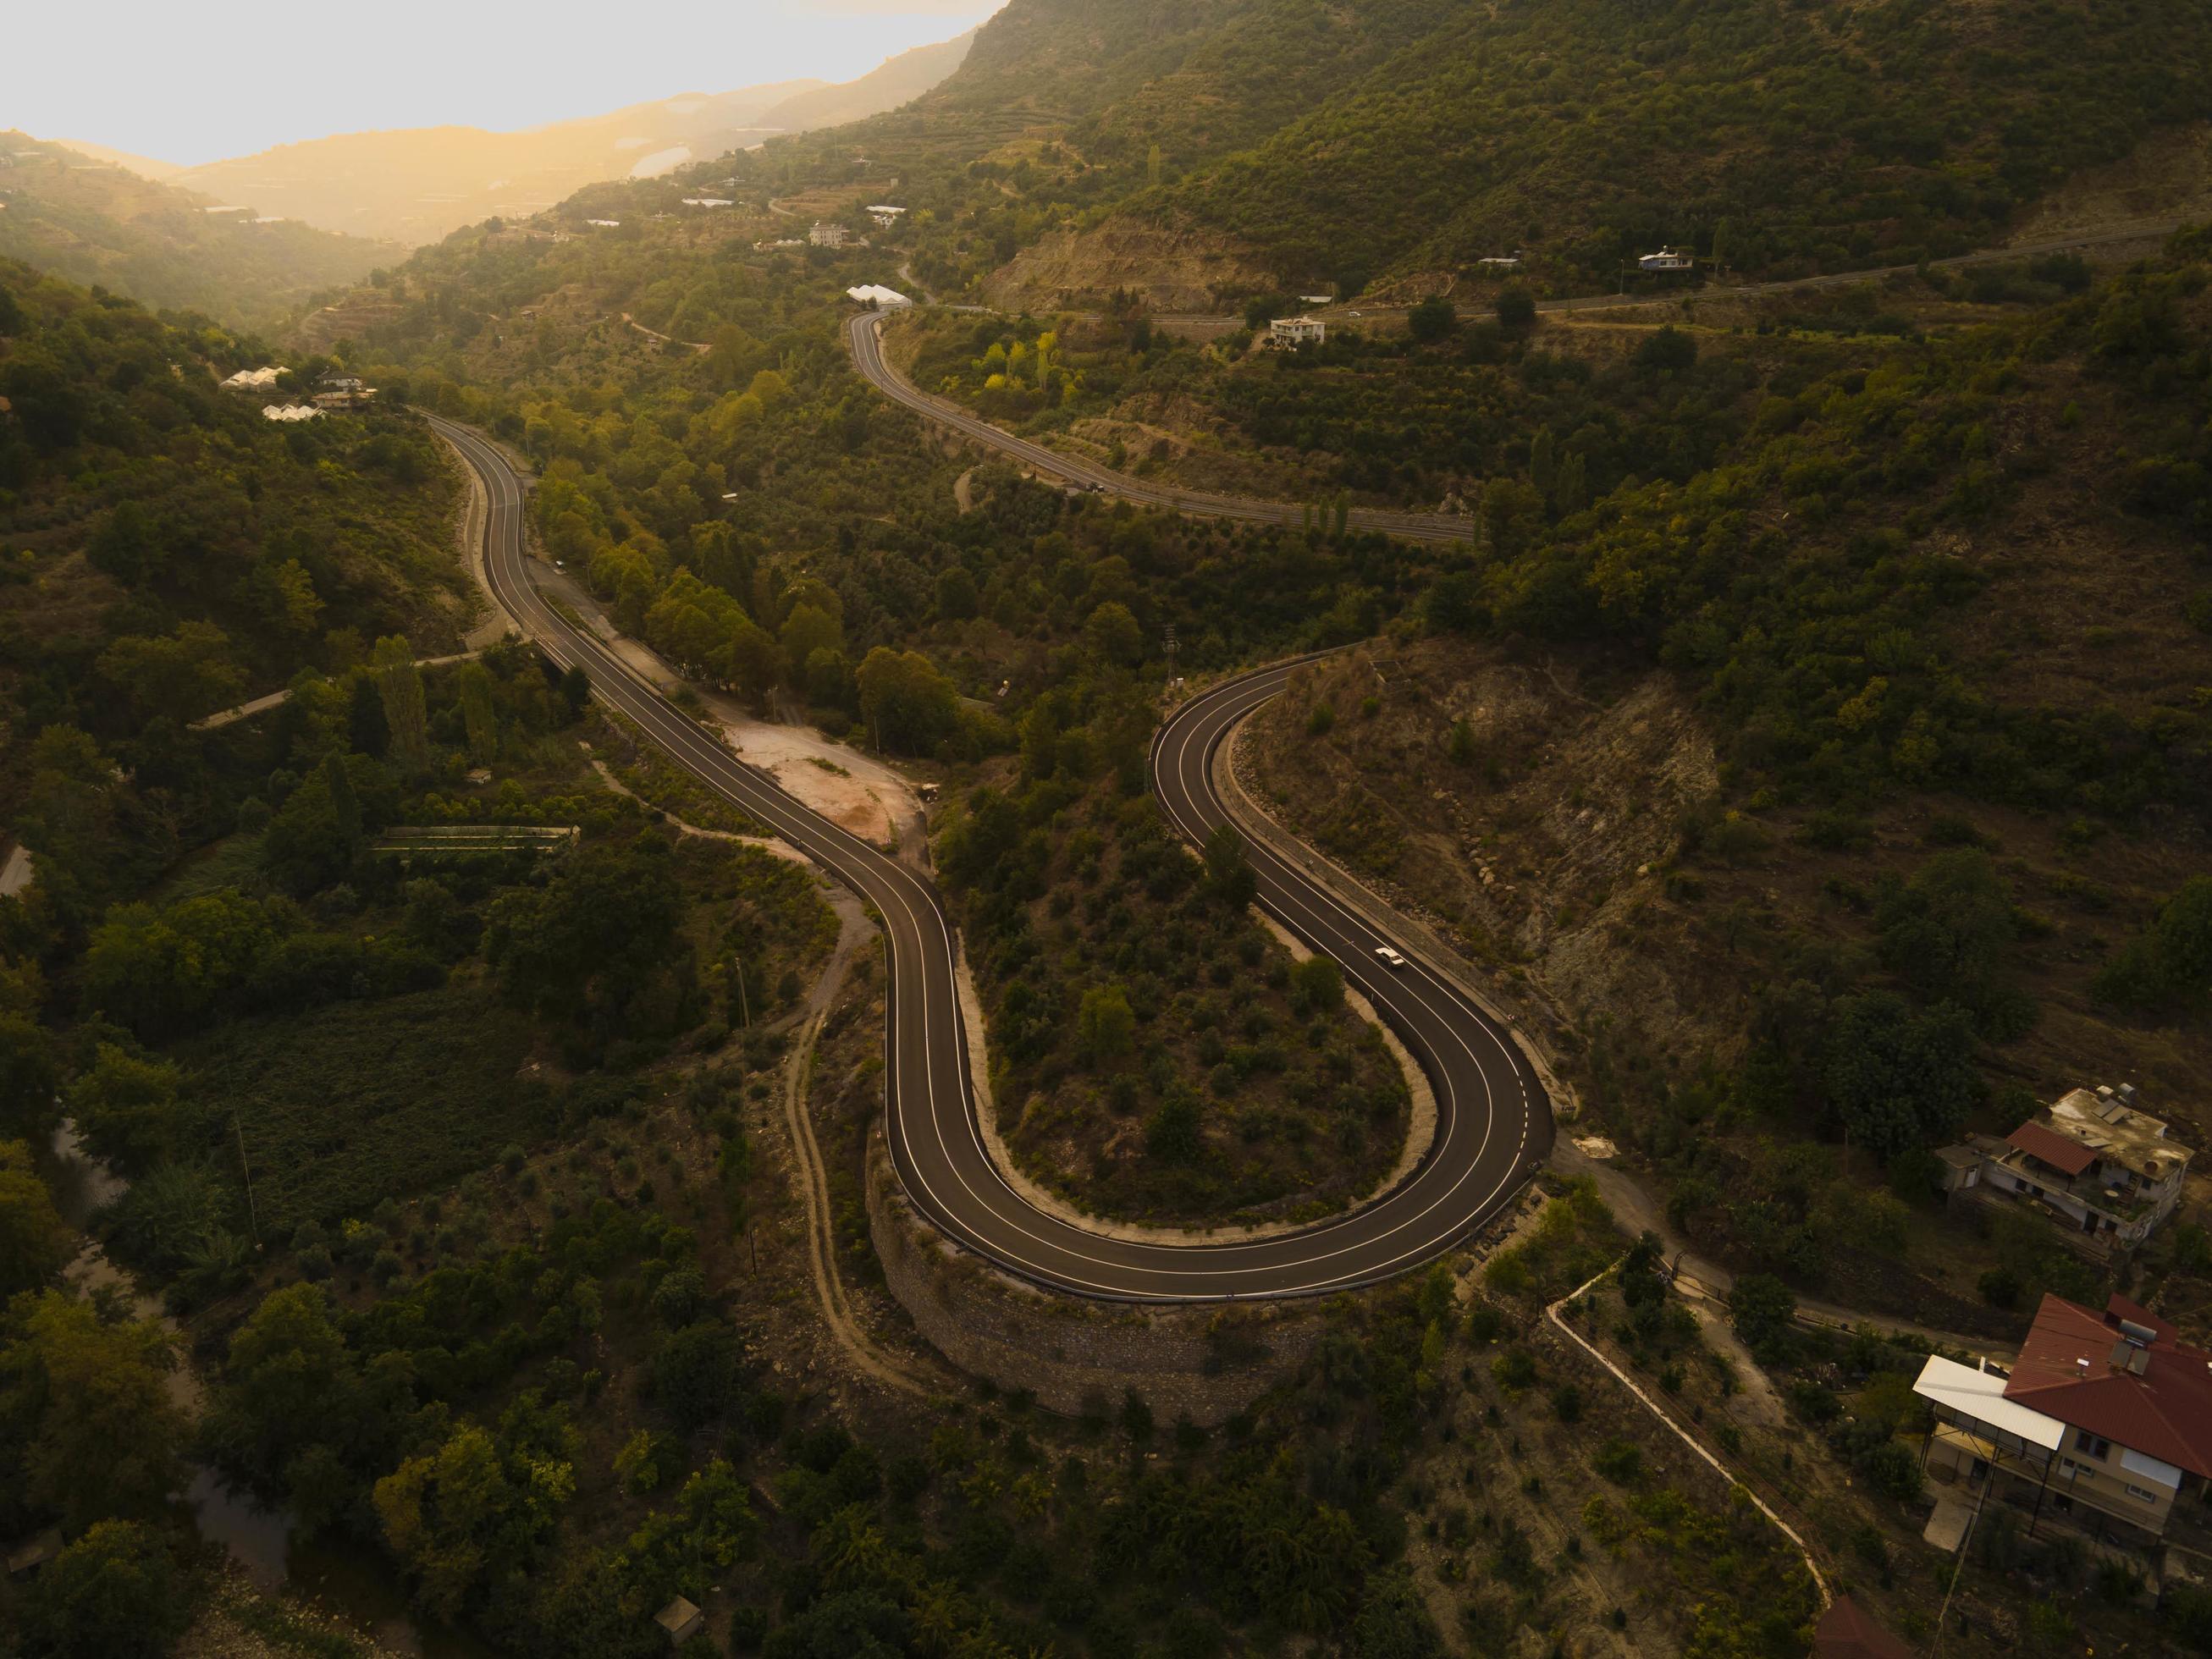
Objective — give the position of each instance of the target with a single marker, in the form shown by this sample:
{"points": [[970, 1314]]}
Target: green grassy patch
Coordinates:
{"points": [[233, 861], [346, 1104]]}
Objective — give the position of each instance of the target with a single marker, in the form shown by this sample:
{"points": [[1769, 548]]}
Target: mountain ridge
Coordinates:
{"points": [[165, 245], [417, 184]]}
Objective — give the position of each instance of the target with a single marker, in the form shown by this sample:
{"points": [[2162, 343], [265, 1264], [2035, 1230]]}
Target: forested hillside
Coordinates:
{"points": [[166, 551], [1301, 146], [91, 222], [1781, 139]]}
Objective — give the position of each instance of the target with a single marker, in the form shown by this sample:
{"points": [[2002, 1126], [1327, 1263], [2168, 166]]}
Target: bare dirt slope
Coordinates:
{"points": [[1169, 269], [1526, 852]]}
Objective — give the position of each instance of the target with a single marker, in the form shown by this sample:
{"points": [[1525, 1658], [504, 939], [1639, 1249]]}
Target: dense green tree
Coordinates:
{"points": [[154, 970], [1949, 931], [28, 1075], [1394, 1622], [1898, 1078], [1112, 636], [126, 1108], [290, 1390], [1761, 1308], [1434, 319], [35, 1242], [694, 1374], [367, 732], [189, 672], [1105, 1027], [910, 707], [1229, 875], [464, 1515], [807, 629], [128, 546], [399, 684], [599, 929], [1317, 985], [86, 1420], [2169, 964], [115, 1593], [472, 683], [1175, 1131]]}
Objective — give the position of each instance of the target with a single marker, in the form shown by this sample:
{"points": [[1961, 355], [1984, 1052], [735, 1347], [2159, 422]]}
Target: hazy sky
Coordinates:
{"points": [[193, 81]]}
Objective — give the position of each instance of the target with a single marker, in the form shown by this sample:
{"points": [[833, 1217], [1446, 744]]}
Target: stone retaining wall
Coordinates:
{"points": [[1079, 1356]]}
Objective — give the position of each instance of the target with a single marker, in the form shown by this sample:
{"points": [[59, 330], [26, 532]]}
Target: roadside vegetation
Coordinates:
{"points": [[1156, 1056]]}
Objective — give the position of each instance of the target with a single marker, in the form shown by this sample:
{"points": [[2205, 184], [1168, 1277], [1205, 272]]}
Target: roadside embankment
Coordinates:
{"points": [[1080, 1358]]}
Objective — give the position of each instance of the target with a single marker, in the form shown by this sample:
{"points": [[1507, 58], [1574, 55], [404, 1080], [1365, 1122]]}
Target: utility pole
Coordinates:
{"points": [[252, 1213], [1171, 653]]}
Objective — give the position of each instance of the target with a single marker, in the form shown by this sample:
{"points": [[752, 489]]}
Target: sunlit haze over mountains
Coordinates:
{"points": [[199, 83]]}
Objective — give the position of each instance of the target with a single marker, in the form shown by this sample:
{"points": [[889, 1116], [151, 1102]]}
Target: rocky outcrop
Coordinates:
{"points": [[1171, 268]]}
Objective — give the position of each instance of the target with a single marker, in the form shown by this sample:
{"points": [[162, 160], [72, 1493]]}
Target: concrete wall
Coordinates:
{"points": [[1209, 1362]]}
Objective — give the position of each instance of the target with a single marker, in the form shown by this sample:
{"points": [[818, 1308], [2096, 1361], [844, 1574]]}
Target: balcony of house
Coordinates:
{"points": [[2097, 1215]]}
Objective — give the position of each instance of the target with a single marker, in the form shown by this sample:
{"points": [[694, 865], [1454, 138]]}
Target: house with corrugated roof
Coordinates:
{"points": [[2106, 1422], [2094, 1162]]}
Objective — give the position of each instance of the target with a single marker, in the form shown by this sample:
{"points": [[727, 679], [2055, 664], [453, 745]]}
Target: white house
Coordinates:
{"points": [[1500, 261], [1665, 260], [708, 201], [2093, 1162], [1285, 332]]}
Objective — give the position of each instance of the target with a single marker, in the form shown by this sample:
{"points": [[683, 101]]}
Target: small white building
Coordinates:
{"points": [[885, 215], [252, 380], [1498, 262], [290, 412], [825, 234], [708, 201], [1288, 331], [682, 1620], [1666, 260], [604, 224], [876, 294]]}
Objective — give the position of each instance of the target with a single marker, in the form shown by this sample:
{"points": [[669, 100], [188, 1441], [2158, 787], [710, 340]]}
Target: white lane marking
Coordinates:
{"points": [[754, 795]]}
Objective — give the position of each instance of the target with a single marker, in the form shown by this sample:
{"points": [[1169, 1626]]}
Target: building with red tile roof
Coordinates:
{"points": [[1846, 1632], [2106, 1419], [2119, 1377], [2093, 1162], [2048, 1147]]}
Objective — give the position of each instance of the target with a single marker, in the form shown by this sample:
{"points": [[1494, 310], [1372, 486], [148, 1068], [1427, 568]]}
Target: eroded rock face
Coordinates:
{"points": [[1171, 268], [1533, 839]]}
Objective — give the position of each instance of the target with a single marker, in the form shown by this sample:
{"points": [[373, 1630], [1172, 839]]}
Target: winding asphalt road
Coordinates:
{"points": [[864, 337], [1493, 1120]]}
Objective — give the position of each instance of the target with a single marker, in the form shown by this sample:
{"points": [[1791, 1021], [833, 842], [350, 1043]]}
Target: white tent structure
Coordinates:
{"points": [[875, 294]]}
